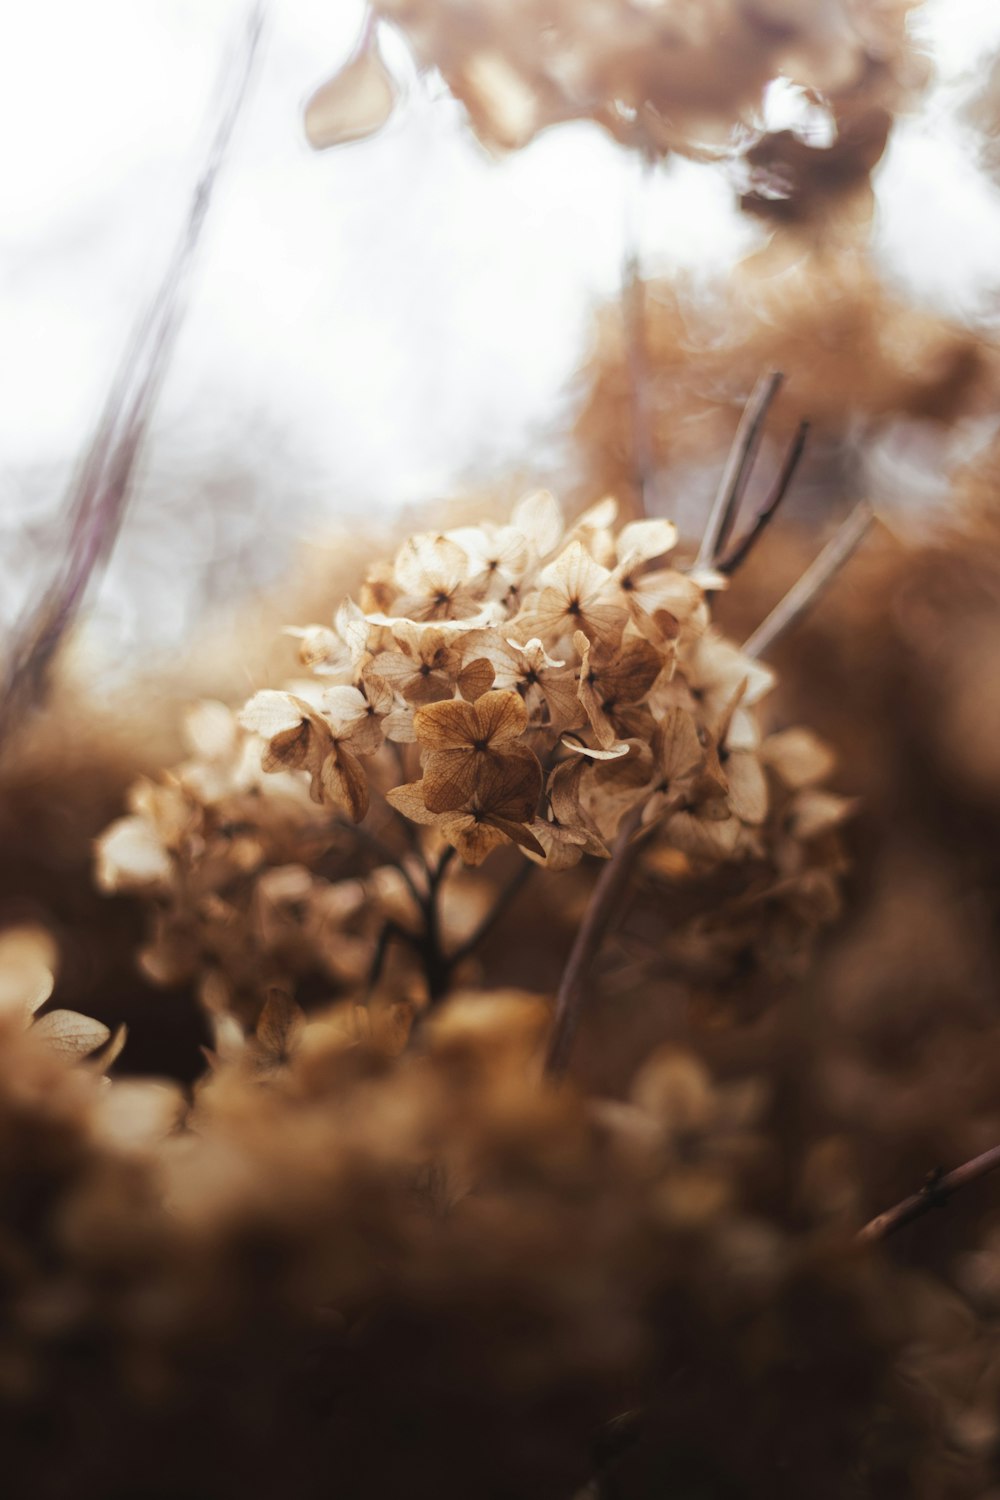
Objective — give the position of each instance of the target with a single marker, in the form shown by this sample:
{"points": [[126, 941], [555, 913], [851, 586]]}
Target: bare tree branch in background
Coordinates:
{"points": [[96, 505]]}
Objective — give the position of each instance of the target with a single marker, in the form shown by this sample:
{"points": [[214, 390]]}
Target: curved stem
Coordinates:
{"points": [[603, 903], [934, 1194]]}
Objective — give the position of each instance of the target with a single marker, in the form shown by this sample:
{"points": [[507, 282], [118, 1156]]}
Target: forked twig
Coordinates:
{"points": [[934, 1194], [740, 550], [726, 504], [841, 546], [590, 934], [98, 500]]}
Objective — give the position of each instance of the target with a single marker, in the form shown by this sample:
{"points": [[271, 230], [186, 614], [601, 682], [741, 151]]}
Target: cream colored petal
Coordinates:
{"points": [[641, 541], [344, 708], [356, 102], [814, 812], [69, 1033], [539, 517], [210, 730], [798, 756], [129, 854], [28, 958], [270, 712], [612, 752]]}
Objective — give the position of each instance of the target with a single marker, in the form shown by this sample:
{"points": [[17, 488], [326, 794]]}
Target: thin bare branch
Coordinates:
{"points": [[934, 1194], [817, 577], [603, 903], [740, 551], [493, 916], [725, 507], [97, 502]]}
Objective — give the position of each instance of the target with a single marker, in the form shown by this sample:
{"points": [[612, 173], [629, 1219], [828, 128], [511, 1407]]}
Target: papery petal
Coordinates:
{"points": [[69, 1033], [409, 800], [130, 854], [641, 541], [28, 959], [447, 726], [501, 718], [539, 517], [798, 756], [355, 103]]}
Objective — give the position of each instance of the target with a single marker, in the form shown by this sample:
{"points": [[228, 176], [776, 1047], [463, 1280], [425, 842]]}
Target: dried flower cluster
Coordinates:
{"points": [[513, 685], [661, 75]]}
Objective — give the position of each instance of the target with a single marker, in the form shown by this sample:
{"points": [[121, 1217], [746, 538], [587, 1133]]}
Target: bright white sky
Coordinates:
{"points": [[366, 327]]}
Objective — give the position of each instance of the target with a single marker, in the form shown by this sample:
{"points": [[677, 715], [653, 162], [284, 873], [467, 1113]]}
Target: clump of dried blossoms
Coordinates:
{"points": [[661, 75], [556, 692]]}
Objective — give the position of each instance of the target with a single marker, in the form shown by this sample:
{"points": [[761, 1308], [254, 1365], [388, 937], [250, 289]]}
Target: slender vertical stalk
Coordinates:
{"points": [[603, 903], [725, 507], [97, 503]]}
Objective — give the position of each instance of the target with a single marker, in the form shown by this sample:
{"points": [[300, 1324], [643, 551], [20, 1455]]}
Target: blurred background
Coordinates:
{"points": [[369, 327]]}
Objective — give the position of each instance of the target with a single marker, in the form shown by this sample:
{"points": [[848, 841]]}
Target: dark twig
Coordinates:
{"points": [[803, 594], [740, 550], [486, 926], [934, 1194], [603, 903], [97, 503], [725, 507]]}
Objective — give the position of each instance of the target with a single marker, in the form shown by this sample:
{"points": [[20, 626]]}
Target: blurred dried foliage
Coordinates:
{"points": [[325, 1226]]}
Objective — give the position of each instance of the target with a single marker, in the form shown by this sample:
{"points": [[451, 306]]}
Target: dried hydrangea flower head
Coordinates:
{"points": [[661, 75], [547, 689]]}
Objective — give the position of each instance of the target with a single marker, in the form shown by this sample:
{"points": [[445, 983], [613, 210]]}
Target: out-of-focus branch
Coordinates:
{"points": [[817, 577], [590, 935], [934, 1194], [97, 502]]}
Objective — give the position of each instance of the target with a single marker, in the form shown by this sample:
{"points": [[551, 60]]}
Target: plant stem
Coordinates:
{"points": [[842, 545], [722, 516], [740, 551], [97, 503], [486, 926], [934, 1194], [603, 903]]}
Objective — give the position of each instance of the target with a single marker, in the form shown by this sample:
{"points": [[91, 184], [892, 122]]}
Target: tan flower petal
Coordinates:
{"points": [[798, 756], [446, 726], [409, 800], [69, 1033], [452, 776], [538, 516], [27, 968], [476, 678], [355, 103], [343, 782], [130, 855], [747, 786], [501, 718]]}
